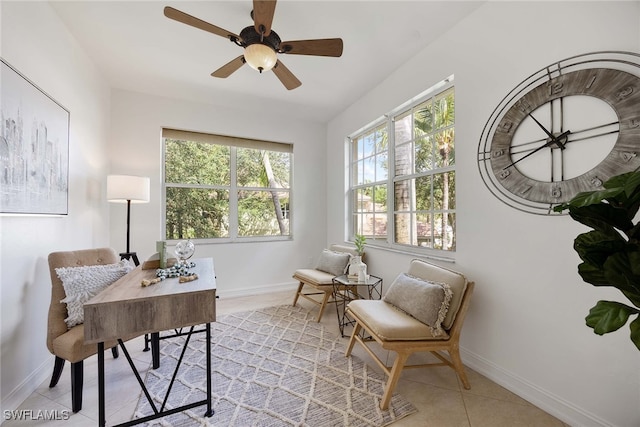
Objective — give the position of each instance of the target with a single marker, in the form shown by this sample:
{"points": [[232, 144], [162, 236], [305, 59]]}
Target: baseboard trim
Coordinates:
{"points": [[259, 290], [18, 395], [543, 399]]}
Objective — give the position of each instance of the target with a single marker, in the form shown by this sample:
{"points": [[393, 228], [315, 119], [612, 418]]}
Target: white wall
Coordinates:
{"points": [[36, 43], [525, 328], [136, 148]]}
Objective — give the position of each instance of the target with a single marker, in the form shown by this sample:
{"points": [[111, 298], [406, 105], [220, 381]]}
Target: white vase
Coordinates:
{"points": [[362, 272], [354, 266]]}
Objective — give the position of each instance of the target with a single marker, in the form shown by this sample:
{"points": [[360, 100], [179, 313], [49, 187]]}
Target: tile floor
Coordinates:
{"points": [[436, 392]]}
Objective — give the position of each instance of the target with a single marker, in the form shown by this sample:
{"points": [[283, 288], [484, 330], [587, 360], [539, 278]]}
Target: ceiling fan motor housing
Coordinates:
{"points": [[250, 36]]}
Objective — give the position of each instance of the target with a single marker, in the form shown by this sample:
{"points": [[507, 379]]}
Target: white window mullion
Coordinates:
{"points": [[233, 196], [391, 190]]}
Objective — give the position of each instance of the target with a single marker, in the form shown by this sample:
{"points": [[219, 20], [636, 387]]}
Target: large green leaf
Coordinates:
{"points": [[608, 316], [617, 269], [592, 274], [595, 275], [593, 197], [602, 216], [629, 181], [596, 246], [635, 332]]}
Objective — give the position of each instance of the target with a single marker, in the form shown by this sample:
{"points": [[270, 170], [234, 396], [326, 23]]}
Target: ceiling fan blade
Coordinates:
{"points": [[185, 18], [318, 47], [229, 68], [285, 76], [263, 11]]}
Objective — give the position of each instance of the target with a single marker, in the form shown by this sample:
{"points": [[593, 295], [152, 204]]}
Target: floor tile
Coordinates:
{"points": [[487, 412]]}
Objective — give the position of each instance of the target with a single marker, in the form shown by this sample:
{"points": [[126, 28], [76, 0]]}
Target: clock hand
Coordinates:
{"points": [[547, 144], [549, 134]]}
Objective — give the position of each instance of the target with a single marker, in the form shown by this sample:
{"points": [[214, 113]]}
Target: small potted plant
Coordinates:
{"points": [[359, 241], [357, 268]]}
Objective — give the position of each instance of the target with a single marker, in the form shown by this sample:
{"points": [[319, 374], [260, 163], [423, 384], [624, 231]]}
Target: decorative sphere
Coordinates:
{"points": [[185, 249]]}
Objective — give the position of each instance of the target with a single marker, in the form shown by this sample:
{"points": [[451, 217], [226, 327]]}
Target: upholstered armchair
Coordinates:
{"points": [[316, 284], [422, 311], [64, 342]]}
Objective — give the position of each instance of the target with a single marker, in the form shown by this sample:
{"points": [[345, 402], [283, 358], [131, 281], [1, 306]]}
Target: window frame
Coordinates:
{"points": [[388, 241], [233, 188]]}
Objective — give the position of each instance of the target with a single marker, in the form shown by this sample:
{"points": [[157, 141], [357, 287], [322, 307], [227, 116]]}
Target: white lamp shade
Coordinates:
{"points": [[121, 188], [260, 56]]}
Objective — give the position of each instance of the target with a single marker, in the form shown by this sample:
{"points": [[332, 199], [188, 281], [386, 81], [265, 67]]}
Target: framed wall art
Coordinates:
{"points": [[34, 148]]}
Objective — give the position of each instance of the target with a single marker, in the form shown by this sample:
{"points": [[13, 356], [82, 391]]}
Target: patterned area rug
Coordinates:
{"points": [[271, 367]]}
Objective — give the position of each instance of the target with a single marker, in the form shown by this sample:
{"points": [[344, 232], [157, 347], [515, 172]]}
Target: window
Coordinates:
{"points": [[406, 161], [225, 189]]}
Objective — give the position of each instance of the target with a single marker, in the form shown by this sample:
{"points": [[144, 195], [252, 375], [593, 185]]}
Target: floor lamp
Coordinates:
{"points": [[128, 189]]}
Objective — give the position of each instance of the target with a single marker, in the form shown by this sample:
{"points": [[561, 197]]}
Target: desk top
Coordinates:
{"points": [[126, 309]]}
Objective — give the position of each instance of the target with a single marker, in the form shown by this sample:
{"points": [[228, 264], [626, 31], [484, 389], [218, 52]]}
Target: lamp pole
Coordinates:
{"points": [[129, 255], [128, 221]]}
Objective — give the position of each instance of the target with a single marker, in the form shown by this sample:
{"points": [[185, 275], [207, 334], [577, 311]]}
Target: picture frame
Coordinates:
{"points": [[34, 148]]}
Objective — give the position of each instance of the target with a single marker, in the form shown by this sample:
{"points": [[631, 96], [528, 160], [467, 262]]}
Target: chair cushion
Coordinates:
{"points": [[391, 324], [333, 262], [84, 282], [426, 301], [313, 277], [456, 281]]}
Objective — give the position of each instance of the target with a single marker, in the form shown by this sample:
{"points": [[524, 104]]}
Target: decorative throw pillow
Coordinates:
{"points": [[425, 300], [333, 262], [83, 283]]}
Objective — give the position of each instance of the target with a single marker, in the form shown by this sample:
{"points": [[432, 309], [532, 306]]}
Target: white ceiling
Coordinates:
{"points": [[137, 48]]}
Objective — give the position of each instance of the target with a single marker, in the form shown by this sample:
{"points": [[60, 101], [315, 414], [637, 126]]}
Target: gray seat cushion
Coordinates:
{"points": [[390, 323]]}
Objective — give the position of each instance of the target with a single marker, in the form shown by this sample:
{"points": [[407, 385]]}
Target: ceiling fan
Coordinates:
{"points": [[261, 44]]}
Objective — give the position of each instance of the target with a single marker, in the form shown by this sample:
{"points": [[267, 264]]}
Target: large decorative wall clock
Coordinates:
{"points": [[565, 129]]}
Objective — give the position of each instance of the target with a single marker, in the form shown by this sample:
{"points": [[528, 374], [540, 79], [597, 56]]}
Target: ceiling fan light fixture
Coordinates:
{"points": [[260, 57]]}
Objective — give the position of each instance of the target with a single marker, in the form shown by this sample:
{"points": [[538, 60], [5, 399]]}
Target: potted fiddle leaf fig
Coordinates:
{"points": [[610, 252]]}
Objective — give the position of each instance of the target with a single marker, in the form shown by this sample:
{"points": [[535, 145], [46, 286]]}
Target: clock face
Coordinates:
{"points": [[567, 133]]}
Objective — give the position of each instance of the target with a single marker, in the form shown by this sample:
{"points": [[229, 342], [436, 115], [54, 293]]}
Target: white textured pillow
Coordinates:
{"points": [[426, 301], [333, 262], [83, 283]]}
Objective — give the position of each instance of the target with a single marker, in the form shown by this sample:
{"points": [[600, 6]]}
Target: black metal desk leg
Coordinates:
{"points": [[102, 420], [209, 412], [155, 349]]}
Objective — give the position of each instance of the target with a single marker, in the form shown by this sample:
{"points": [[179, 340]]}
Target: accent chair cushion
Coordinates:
{"points": [[390, 323], [314, 277], [84, 282], [333, 262], [424, 300]]}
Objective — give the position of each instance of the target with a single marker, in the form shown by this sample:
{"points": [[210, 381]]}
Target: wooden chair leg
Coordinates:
{"points": [[295, 299], [394, 376], [77, 373], [57, 371], [459, 367], [327, 295], [114, 352], [352, 340]]}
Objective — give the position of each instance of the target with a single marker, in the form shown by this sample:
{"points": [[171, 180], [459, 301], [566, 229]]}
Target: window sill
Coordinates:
{"points": [[417, 252]]}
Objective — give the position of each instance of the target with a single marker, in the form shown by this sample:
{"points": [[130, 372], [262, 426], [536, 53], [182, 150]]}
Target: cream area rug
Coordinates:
{"points": [[271, 367]]}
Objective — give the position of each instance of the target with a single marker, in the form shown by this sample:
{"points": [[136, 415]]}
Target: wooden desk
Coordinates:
{"points": [[126, 309]]}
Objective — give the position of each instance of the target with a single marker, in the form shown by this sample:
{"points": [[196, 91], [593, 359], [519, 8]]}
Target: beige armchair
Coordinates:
{"points": [[320, 279], [397, 331], [62, 342]]}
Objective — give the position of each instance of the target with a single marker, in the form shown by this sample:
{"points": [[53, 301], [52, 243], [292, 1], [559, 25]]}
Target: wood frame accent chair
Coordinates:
{"points": [[320, 282], [68, 344], [397, 331]]}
